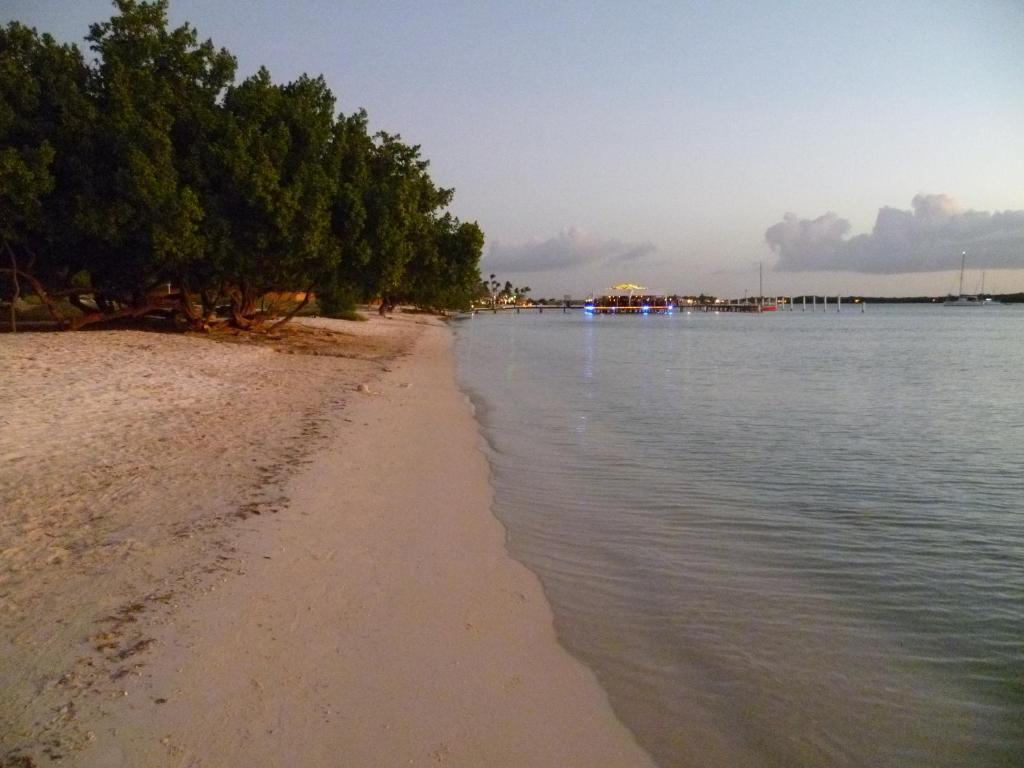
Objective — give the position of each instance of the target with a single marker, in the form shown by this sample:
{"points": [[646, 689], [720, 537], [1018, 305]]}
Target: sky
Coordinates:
{"points": [[855, 147]]}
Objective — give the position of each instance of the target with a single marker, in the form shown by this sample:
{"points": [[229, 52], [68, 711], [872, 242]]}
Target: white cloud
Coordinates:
{"points": [[571, 248], [926, 239]]}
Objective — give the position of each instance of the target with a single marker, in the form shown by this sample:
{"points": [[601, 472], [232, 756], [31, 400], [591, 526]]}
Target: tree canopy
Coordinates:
{"points": [[148, 179]]}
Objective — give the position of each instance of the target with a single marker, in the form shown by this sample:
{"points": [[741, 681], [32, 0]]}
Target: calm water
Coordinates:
{"points": [[780, 540]]}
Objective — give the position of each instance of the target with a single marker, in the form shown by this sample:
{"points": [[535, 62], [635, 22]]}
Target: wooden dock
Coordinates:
{"points": [[736, 306]]}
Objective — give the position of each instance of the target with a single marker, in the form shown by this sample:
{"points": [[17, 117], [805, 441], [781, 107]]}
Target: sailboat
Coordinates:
{"points": [[962, 299]]}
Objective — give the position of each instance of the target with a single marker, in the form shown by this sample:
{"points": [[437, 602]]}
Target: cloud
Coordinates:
{"points": [[928, 238], [570, 248]]}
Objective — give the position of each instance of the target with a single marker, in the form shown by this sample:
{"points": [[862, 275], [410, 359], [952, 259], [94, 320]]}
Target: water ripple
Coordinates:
{"points": [[779, 541]]}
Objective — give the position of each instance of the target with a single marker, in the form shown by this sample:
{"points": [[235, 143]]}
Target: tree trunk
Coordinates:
{"points": [[294, 312], [40, 291], [134, 310], [209, 304], [243, 307], [17, 289], [193, 318]]}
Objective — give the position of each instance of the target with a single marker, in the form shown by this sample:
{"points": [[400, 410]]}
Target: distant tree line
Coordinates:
{"points": [[148, 179], [493, 292]]}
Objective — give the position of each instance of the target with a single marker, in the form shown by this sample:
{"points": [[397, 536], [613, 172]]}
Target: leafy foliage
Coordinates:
{"points": [[43, 108], [152, 167]]}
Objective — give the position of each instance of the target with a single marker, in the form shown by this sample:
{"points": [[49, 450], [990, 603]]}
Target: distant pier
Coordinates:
{"points": [[629, 309], [669, 308], [666, 305]]}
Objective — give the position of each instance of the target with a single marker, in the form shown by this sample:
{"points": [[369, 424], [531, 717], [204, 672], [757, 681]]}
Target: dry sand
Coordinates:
{"points": [[218, 555]]}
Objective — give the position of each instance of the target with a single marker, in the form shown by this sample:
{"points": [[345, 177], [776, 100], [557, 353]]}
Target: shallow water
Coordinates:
{"points": [[794, 539]]}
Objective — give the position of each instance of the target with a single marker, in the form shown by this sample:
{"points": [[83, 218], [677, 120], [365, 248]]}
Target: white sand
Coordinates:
{"points": [[148, 617]]}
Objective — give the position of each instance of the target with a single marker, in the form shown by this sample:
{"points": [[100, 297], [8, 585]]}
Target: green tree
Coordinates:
{"points": [[401, 203], [445, 274], [280, 183], [26, 152], [341, 288], [151, 167], [157, 91], [45, 117], [461, 246]]}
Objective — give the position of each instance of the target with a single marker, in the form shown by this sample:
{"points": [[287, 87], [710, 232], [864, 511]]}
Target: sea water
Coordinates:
{"points": [[788, 539]]}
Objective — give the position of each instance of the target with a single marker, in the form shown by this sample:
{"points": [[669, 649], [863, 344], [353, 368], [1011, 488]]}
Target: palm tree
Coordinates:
{"points": [[494, 290]]}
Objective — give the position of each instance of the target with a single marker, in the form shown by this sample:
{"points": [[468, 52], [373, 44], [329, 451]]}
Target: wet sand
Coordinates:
{"points": [[217, 554]]}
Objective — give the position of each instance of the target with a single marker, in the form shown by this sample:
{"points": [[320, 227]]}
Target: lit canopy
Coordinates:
{"points": [[627, 287]]}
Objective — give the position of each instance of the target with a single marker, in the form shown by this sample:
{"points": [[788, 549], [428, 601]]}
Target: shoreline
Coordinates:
{"points": [[377, 620]]}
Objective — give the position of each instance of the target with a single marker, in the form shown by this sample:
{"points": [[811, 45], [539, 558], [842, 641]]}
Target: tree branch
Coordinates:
{"points": [[102, 317], [290, 315], [37, 286]]}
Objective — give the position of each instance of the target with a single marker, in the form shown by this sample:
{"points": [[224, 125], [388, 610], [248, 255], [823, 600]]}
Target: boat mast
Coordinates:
{"points": [[963, 260]]}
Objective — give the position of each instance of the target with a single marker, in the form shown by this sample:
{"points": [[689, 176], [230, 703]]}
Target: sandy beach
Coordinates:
{"points": [[217, 554]]}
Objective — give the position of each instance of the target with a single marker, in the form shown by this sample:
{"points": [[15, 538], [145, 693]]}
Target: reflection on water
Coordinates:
{"points": [[785, 540]]}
